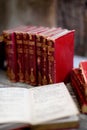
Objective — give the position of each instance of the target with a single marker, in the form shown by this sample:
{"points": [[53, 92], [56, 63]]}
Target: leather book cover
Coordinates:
{"points": [[77, 77], [63, 53], [80, 97], [26, 53], [20, 55], [32, 55], [39, 41], [42, 61], [83, 67], [11, 57]]}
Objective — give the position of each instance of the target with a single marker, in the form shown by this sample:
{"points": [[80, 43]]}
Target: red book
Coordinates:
{"points": [[80, 97], [62, 56], [11, 54], [32, 55], [83, 67], [26, 53], [77, 77], [42, 56], [20, 52]]}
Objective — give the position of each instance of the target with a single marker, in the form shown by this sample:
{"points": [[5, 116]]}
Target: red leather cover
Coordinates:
{"points": [[83, 67], [63, 57], [78, 78], [82, 101], [20, 55], [11, 55]]}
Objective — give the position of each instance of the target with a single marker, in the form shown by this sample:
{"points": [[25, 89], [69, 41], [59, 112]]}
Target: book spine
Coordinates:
{"points": [[80, 85], [80, 98], [83, 67], [26, 57], [44, 61], [32, 59], [51, 62], [20, 55], [38, 59], [11, 57]]}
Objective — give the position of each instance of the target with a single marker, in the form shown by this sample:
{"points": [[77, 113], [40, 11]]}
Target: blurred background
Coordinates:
{"points": [[70, 14]]}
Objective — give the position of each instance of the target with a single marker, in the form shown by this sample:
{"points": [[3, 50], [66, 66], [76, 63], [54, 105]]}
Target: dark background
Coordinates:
{"points": [[70, 14]]}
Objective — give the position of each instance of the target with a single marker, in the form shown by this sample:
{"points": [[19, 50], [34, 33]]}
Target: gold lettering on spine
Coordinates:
{"points": [[50, 60], [44, 81], [32, 78]]}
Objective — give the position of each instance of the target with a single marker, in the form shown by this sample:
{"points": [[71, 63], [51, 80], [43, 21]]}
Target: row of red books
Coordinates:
{"points": [[79, 84], [39, 55]]}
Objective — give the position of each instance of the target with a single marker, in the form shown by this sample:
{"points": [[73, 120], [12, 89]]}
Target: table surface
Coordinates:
{"points": [[4, 79]]}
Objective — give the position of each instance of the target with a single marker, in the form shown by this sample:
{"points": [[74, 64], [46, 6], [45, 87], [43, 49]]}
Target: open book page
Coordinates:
{"points": [[14, 105], [51, 102]]}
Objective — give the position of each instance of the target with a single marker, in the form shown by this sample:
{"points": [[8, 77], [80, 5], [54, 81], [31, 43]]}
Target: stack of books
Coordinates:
{"points": [[79, 84], [39, 55]]}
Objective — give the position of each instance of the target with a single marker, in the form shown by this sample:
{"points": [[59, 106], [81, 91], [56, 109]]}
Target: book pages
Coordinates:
{"points": [[14, 105], [52, 102]]}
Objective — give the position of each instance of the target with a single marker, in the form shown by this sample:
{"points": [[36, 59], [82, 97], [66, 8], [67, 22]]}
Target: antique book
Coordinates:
{"points": [[20, 52], [77, 76], [26, 52], [83, 67], [61, 50], [32, 55], [38, 107], [44, 60], [42, 55], [39, 40], [82, 101], [11, 54]]}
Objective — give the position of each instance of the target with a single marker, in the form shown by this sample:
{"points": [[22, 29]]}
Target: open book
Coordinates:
{"points": [[49, 105]]}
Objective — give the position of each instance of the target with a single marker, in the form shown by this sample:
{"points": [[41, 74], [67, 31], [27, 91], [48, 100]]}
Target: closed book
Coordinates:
{"points": [[11, 53], [42, 55], [80, 97], [32, 55], [62, 59], [11, 57], [83, 67], [77, 76], [26, 52], [18, 34]]}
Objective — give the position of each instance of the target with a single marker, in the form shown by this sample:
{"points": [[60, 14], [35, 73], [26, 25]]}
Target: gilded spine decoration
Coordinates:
{"points": [[26, 57], [38, 61], [20, 56], [32, 60], [44, 62], [51, 68]]}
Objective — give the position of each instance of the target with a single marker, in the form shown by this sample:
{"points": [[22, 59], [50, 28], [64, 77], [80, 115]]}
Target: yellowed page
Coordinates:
{"points": [[14, 105], [51, 102]]}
